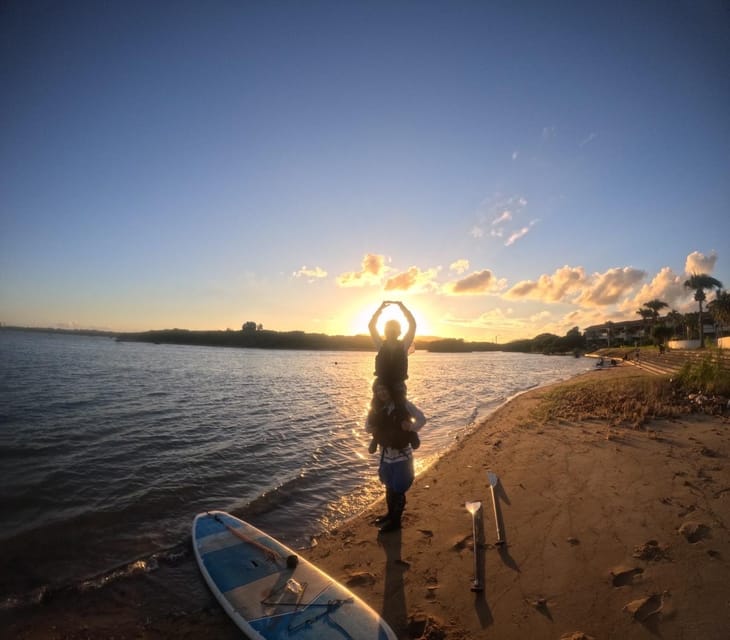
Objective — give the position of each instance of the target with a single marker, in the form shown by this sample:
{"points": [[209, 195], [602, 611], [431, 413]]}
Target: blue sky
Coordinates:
{"points": [[505, 168]]}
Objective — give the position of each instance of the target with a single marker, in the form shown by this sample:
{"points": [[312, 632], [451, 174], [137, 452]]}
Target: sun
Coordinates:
{"points": [[361, 318]]}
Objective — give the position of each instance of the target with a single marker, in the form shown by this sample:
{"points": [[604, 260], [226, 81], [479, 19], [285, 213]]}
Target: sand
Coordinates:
{"points": [[611, 532], [615, 526]]}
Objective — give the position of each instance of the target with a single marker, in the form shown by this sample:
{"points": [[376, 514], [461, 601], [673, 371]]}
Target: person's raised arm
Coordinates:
{"points": [[411, 333], [372, 326]]}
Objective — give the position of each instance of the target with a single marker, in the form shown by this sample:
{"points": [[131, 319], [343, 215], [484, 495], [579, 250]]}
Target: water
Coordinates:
{"points": [[108, 450]]}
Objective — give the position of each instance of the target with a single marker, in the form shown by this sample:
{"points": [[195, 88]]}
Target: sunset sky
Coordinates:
{"points": [[504, 168]]}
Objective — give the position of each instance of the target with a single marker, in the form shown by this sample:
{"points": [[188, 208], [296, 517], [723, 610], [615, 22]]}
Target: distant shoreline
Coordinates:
{"points": [[291, 340]]}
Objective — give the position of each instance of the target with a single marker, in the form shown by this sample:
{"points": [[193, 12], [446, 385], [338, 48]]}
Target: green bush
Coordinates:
{"points": [[706, 376]]}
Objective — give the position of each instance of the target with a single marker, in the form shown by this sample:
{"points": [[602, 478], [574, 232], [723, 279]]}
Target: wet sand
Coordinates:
{"points": [[615, 526]]}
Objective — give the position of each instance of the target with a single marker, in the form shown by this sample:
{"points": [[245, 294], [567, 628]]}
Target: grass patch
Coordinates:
{"points": [[705, 376], [629, 401]]}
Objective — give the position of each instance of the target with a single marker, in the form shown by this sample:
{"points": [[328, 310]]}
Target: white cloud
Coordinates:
{"points": [[521, 233], [548, 133], [374, 269], [317, 273], [609, 287], [459, 266], [699, 263], [665, 286], [590, 138], [413, 279], [476, 232], [561, 286], [505, 216]]}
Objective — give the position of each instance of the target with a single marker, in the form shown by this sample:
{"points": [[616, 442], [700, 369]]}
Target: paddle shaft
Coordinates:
{"points": [[477, 585], [500, 536]]}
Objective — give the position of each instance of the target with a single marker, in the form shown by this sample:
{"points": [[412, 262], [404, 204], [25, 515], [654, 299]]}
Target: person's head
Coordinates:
{"points": [[392, 330], [382, 393]]}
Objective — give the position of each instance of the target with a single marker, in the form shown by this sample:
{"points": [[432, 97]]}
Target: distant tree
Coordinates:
{"points": [[720, 309], [655, 306], [676, 321], [249, 327], [661, 333], [700, 282], [609, 331], [573, 340], [647, 315]]}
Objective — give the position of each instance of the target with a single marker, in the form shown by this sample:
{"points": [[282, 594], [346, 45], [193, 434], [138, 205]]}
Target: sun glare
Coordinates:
{"points": [[361, 319]]}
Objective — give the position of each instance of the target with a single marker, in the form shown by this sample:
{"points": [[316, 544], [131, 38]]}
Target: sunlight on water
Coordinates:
{"points": [[109, 449]]}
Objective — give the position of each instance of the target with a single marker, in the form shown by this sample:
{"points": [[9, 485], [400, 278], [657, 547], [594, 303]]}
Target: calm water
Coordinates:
{"points": [[108, 450]]}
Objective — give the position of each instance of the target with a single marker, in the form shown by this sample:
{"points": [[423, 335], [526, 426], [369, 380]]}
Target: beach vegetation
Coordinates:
{"points": [[720, 310], [627, 401], [699, 283], [706, 375]]}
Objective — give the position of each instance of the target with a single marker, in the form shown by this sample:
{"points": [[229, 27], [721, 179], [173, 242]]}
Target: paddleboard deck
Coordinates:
{"points": [[271, 599]]}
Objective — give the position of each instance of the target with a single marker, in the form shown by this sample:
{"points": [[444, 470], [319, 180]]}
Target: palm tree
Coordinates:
{"points": [[720, 309], [699, 282], [655, 305], [646, 314], [676, 320]]}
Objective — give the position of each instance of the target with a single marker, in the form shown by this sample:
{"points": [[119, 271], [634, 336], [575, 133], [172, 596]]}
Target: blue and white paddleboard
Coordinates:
{"points": [[272, 594]]}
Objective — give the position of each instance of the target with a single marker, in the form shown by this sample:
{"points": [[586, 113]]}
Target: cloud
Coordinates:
{"points": [[498, 213], [665, 285], [412, 279], [700, 263], [607, 288], [460, 266], [373, 270], [506, 216], [479, 282], [515, 155], [548, 133], [591, 137], [516, 235], [561, 286], [310, 274]]}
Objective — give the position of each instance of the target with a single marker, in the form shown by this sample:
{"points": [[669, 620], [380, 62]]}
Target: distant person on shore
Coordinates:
{"points": [[391, 363], [394, 433]]}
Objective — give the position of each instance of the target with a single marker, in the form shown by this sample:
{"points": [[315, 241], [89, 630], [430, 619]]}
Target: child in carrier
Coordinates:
{"points": [[391, 369]]}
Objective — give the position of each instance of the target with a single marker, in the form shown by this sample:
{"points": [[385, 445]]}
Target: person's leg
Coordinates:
{"points": [[399, 476]]}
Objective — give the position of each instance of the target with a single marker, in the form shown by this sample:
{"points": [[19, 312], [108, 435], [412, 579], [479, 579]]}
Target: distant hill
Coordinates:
{"points": [[301, 341]]}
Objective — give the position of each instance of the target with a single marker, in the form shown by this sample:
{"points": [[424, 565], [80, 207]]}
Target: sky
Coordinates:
{"points": [[503, 168]]}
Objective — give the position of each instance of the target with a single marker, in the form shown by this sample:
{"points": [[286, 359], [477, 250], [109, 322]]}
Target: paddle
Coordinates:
{"points": [[271, 554], [493, 482], [473, 508]]}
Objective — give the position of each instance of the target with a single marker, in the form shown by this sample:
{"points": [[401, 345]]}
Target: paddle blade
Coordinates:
{"points": [[473, 507], [493, 479]]}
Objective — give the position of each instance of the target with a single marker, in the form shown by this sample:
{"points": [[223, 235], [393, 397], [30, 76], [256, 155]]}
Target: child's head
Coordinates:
{"points": [[381, 392], [392, 330]]}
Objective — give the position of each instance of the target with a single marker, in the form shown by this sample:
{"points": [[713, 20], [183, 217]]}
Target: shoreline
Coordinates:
{"points": [[611, 531]]}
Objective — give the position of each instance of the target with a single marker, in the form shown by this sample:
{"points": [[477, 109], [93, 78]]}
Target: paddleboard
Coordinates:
{"points": [[273, 594]]}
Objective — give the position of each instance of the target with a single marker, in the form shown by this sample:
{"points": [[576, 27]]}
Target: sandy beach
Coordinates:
{"points": [[610, 531], [615, 525]]}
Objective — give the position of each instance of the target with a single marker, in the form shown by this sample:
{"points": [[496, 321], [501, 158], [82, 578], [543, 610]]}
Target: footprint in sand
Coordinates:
{"points": [[652, 550], [361, 579], [623, 575], [694, 531], [644, 608]]}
